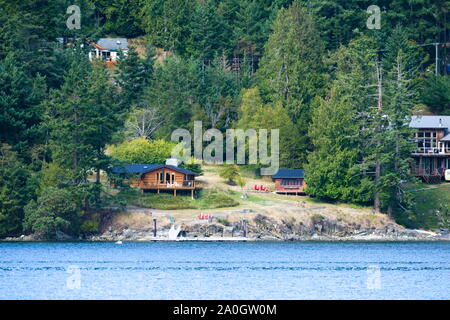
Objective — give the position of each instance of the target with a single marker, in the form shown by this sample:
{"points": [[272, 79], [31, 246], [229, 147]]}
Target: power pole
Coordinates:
{"points": [[436, 46]]}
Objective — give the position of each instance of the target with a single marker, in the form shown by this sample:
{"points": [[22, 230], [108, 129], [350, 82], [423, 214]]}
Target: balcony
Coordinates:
{"points": [[425, 151], [185, 185]]}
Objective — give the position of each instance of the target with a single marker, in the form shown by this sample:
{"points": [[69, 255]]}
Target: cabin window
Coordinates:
{"points": [[292, 182], [167, 177], [161, 178], [173, 178]]}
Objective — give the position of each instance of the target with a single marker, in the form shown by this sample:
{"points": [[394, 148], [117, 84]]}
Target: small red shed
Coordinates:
{"points": [[290, 181]]}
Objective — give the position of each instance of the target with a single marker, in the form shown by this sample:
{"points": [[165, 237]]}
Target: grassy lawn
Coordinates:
{"points": [[428, 199], [208, 199]]}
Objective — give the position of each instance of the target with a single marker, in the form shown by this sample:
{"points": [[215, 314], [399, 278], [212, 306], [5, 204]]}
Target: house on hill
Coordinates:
{"points": [[158, 177], [290, 181], [432, 153], [108, 49]]}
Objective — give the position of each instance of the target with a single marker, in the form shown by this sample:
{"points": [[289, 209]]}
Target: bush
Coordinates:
{"points": [[90, 226], [229, 172], [223, 221]]}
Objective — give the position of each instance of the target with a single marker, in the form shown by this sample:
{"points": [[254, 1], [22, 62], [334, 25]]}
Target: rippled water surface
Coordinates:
{"points": [[196, 270]]}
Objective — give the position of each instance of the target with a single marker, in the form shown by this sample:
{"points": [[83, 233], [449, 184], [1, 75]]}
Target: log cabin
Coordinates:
{"points": [[432, 153], [290, 181], [158, 177]]}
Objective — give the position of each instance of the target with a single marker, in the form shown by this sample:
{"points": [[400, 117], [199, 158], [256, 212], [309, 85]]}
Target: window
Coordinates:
{"points": [[292, 182]]}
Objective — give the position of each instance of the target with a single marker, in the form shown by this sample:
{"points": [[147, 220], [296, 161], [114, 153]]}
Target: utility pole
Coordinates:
{"points": [[436, 46], [437, 58]]}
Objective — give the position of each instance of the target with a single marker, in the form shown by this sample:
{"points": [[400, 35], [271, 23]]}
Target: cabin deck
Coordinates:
{"points": [[186, 185]]}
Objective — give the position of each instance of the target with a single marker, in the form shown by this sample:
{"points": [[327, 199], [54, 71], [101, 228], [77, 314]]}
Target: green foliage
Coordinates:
{"points": [[193, 165], [54, 210], [254, 114], [430, 209], [52, 175], [16, 189], [92, 225], [436, 94], [167, 22], [134, 75], [82, 117], [20, 96], [122, 17], [230, 172], [173, 93], [290, 70], [223, 221], [143, 151]]}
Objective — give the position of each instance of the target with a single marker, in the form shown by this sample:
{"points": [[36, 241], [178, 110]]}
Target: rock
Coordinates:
{"points": [[61, 236]]}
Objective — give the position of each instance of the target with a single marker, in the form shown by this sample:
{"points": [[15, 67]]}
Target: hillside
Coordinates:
{"points": [[262, 215]]}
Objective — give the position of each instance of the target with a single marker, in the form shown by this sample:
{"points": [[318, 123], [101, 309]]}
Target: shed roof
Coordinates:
{"points": [[289, 174], [430, 122], [144, 168]]}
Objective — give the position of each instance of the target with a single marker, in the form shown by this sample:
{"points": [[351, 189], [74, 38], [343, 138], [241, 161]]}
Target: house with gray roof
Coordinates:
{"points": [[108, 49], [432, 155]]}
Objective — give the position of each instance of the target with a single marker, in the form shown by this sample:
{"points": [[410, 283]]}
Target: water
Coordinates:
{"points": [[198, 270]]}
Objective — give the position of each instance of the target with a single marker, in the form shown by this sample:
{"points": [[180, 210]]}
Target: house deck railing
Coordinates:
{"points": [[186, 185]]}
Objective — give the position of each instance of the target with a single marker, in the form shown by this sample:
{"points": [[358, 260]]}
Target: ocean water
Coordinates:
{"points": [[218, 270]]}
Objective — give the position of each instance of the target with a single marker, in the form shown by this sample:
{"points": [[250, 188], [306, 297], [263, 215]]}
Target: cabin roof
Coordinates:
{"points": [[144, 168], [289, 174], [430, 122], [113, 43]]}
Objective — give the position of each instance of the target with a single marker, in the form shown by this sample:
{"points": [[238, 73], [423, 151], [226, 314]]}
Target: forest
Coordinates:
{"points": [[341, 94]]}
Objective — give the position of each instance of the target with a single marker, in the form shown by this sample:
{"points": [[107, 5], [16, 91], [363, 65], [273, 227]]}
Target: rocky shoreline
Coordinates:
{"points": [[261, 228]]}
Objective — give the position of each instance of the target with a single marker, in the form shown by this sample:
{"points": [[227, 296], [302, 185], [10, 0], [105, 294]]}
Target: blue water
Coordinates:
{"points": [[197, 270]]}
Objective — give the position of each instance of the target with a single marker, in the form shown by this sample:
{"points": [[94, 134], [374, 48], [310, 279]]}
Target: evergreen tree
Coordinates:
{"points": [[167, 23], [207, 38], [20, 97], [134, 75], [16, 189], [290, 71], [174, 93]]}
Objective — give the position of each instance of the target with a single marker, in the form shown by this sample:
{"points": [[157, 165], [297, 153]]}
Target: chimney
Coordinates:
{"points": [[172, 162], [440, 122]]}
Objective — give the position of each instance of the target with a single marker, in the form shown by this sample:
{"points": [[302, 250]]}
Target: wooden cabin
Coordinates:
{"points": [[432, 153], [290, 181], [157, 177]]}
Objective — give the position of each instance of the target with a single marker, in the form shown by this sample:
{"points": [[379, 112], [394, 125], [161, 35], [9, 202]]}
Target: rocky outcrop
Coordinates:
{"points": [[265, 228]]}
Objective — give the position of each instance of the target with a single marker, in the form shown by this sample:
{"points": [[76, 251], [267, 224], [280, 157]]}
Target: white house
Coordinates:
{"points": [[108, 48]]}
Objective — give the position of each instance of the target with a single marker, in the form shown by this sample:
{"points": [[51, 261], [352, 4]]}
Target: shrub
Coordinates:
{"points": [[141, 150], [223, 221], [229, 172]]}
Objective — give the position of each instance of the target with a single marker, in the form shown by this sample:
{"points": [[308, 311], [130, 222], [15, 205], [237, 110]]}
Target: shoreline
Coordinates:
{"points": [[403, 237]]}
